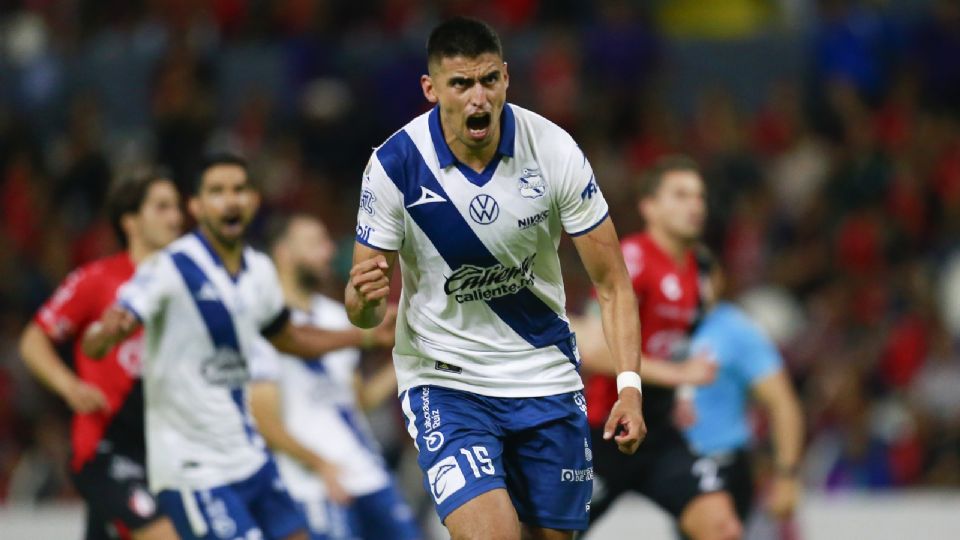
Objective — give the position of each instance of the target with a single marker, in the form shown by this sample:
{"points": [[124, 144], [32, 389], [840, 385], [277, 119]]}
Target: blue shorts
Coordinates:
{"points": [[538, 449], [257, 507], [381, 515]]}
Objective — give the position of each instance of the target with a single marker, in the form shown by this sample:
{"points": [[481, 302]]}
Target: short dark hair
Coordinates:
{"points": [[215, 160], [127, 197], [652, 179], [462, 36]]}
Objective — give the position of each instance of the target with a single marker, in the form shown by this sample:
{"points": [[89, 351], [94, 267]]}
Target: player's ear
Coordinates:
{"points": [[506, 75], [429, 92]]}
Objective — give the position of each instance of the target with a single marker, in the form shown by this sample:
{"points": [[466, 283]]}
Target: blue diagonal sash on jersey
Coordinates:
{"points": [[458, 244], [216, 317], [347, 414]]}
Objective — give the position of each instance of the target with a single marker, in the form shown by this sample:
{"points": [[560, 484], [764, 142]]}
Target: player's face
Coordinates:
{"points": [[471, 93], [160, 218], [679, 206], [225, 203], [311, 251]]}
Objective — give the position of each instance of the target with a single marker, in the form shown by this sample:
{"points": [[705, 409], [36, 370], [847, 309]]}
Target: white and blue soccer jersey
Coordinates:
{"points": [[320, 410], [201, 327], [482, 307]]}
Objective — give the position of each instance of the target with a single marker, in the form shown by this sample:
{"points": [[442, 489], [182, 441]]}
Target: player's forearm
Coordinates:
{"points": [[777, 396], [311, 342], [618, 310], [42, 360], [378, 388], [97, 341], [269, 422], [787, 432]]}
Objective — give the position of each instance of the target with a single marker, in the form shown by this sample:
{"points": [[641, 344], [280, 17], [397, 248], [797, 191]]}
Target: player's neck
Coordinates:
{"points": [[676, 248], [138, 251], [230, 255], [476, 159]]}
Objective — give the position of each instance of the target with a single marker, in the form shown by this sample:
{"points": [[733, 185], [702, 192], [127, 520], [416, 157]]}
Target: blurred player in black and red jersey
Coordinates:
{"points": [[665, 278], [108, 454]]}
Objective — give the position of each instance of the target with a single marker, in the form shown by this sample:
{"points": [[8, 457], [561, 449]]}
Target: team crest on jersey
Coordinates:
{"points": [[670, 286], [531, 184], [484, 209]]}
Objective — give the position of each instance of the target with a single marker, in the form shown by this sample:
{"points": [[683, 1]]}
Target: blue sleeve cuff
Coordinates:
{"points": [[129, 307], [594, 226], [373, 246]]}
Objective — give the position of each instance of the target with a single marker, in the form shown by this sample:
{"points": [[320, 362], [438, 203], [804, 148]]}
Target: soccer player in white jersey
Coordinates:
{"points": [[471, 198], [308, 412], [204, 301]]}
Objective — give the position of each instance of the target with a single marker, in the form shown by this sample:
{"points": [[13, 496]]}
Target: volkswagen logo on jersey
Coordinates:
{"points": [[484, 209], [531, 183]]}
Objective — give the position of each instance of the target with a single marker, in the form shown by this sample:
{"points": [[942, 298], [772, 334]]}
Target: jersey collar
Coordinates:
{"points": [[508, 131], [216, 258]]}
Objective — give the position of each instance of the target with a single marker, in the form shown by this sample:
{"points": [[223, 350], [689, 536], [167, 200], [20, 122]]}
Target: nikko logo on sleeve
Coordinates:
{"points": [[470, 283]]}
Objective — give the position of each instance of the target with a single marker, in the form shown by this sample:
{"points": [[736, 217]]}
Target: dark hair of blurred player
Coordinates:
{"points": [[107, 435]]}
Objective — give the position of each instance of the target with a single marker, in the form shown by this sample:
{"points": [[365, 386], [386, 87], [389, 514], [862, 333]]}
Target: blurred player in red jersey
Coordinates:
{"points": [[665, 278], [108, 453]]}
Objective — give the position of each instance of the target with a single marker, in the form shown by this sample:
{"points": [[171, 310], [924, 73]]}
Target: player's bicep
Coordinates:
{"points": [[363, 252], [600, 252], [380, 216]]}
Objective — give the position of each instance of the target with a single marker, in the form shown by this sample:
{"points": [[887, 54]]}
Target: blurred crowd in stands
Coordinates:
{"points": [[834, 190]]}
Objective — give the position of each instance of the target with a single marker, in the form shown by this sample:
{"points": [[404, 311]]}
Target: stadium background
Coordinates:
{"points": [[829, 133]]}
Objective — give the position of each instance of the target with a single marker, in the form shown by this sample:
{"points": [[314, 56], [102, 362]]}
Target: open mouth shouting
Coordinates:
{"points": [[478, 125], [233, 224]]}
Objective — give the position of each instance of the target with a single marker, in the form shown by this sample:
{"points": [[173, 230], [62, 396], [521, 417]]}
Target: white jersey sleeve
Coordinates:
{"points": [[149, 287], [271, 303], [264, 361], [579, 201], [380, 219]]}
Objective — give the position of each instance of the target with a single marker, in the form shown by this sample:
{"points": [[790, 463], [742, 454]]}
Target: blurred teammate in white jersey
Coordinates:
{"points": [[310, 412], [471, 198], [205, 301]]}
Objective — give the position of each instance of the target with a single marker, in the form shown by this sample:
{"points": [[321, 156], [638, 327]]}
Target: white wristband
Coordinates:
{"points": [[628, 379]]}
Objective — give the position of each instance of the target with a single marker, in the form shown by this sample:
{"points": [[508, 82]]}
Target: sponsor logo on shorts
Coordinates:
{"points": [[580, 401], [434, 440], [587, 452], [431, 422], [445, 479], [221, 522], [576, 475]]}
